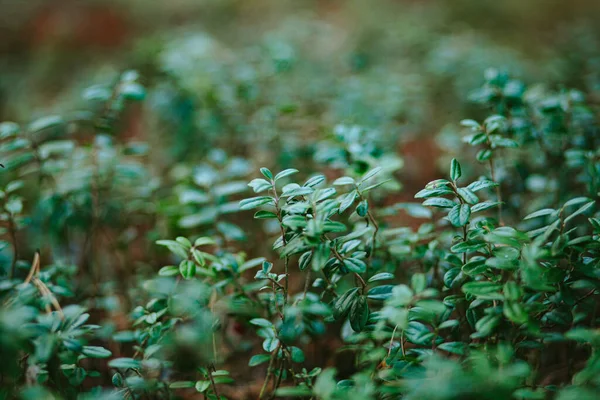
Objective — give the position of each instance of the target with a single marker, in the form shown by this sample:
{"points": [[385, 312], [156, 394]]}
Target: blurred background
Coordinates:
{"points": [[227, 69]]}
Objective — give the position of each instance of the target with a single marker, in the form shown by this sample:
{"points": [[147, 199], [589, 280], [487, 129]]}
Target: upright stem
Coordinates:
{"points": [[286, 260], [374, 240], [211, 369], [278, 381], [13, 238], [498, 194], [464, 240], [357, 275], [269, 369]]}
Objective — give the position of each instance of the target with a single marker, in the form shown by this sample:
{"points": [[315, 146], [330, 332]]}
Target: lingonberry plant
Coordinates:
{"points": [[162, 285]]}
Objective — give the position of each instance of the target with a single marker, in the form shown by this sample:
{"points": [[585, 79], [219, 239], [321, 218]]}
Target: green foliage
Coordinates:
{"points": [[187, 278]]}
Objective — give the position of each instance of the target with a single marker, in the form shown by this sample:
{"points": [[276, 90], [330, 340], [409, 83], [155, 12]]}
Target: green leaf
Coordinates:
{"points": [[304, 260], [359, 314], [285, 172], [482, 184], [439, 202], [370, 174], [467, 247], [483, 289], [540, 213], [485, 206], [260, 185], [202, 386], [512, 291], [334, 226], [294, 190], [381, 277], [133, 91], [248, 204], [181, 385], [124, 363], [314, 181], [455, 170], [45, 346], [204, 241], [418, 282], [347, 200], [470, 123], [375, 185], [459, 348], [501, 263], [293, 391], [320, 257], [258, 359], [355, 265], [382, 292], [8, 129], [45, 123], [475, 267], [515, 312], [270, 344], [459, 215], [468, 196], [266, 173], [263, 214], [169, 270], [343, 303], [297, 354], [344, 180], [187, 269], [580, 210], [426, 193], [362, 208], [96, 352], [483, 155], [265, 323], [486, 325]]}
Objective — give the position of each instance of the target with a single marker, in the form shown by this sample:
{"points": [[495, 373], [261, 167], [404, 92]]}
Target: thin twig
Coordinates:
{"points": [[269, 368], [212, 369]]}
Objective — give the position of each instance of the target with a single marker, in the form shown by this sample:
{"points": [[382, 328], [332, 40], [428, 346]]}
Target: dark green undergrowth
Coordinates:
{"points": [[340, 202], [490, 293]]}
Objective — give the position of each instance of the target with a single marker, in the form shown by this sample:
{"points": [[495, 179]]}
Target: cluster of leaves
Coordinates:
{"points": [[492, 294], [44, 344]]}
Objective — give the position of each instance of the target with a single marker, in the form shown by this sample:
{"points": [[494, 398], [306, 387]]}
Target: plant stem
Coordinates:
{"points": [[211, 369], [13, 238], [278, 381], [374, 240], [498, 194], [287, 260], [357, 275], [269, 368]]}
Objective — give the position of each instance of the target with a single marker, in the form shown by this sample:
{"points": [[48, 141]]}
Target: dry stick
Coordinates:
{"points": [[35, 265], [32, 277], [391, 342], [46, 292]]}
